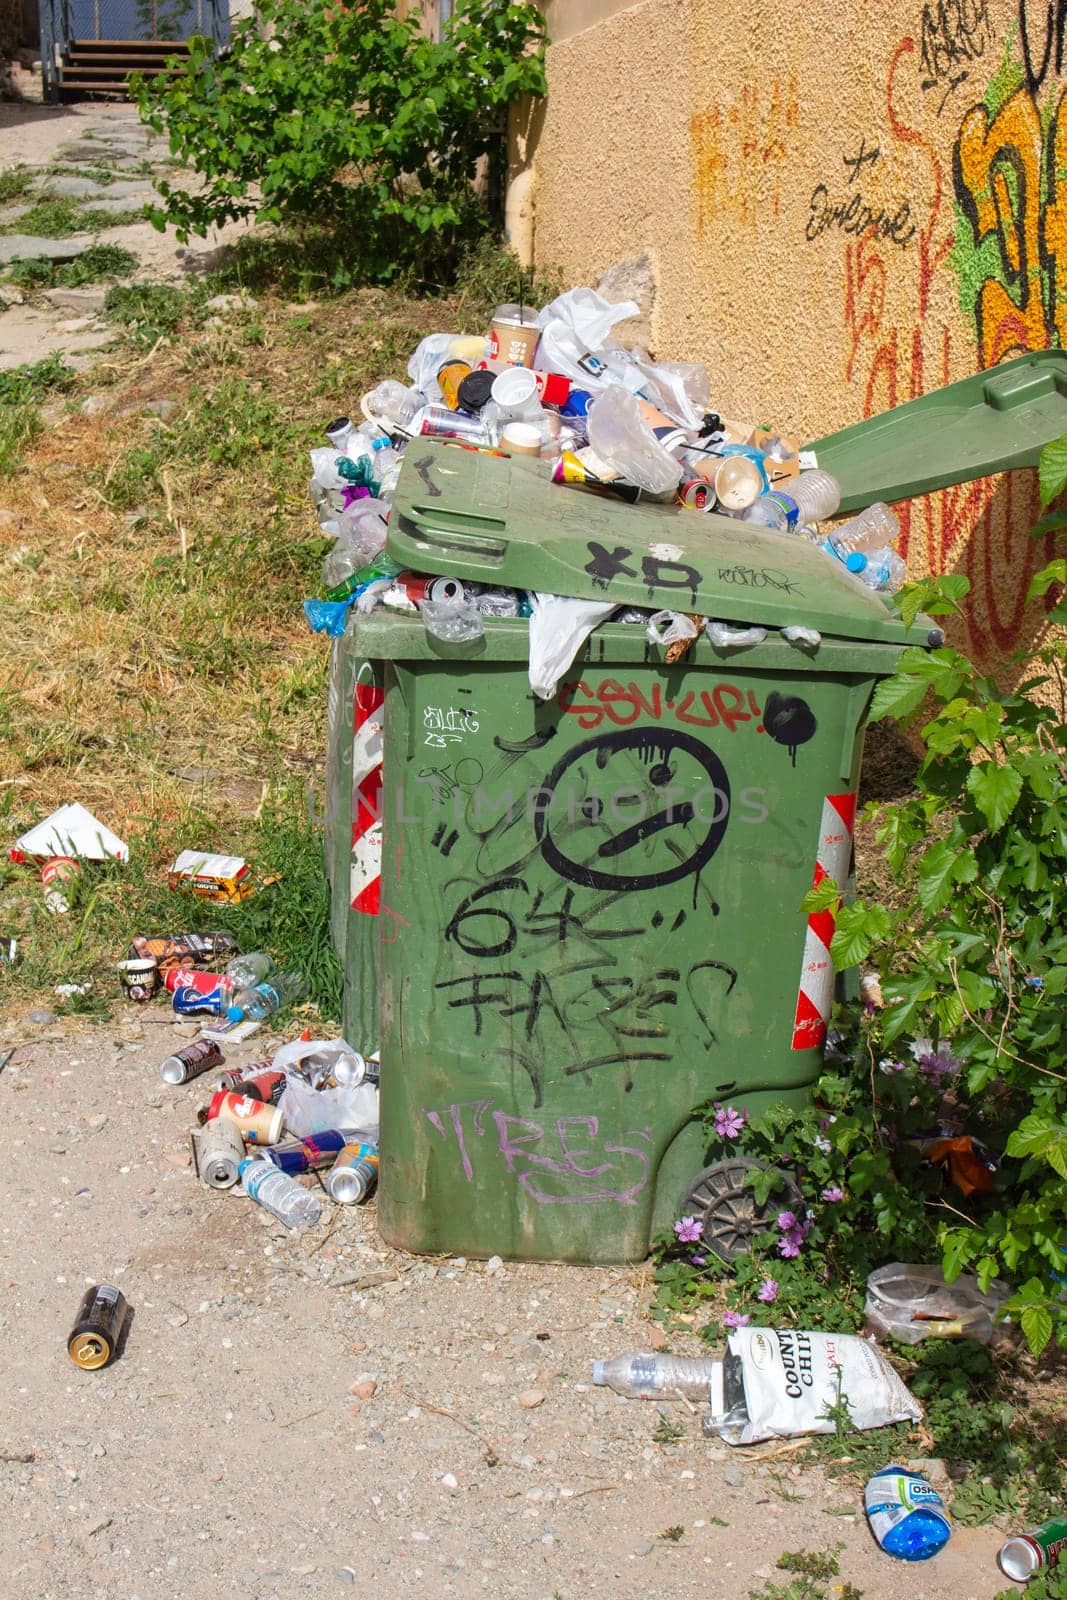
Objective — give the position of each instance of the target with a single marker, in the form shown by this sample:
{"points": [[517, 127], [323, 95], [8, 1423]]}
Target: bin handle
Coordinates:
{"points": [[462, 532]]}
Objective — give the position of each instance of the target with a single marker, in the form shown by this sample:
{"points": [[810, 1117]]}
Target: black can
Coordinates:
{"points": [[95, 1336]]}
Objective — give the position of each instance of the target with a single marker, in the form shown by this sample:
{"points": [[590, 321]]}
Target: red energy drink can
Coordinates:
{"points": [[188, 978], [417, 586], [696, 493]]}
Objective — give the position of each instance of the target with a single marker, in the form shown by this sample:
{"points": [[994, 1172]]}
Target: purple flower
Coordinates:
{"points": [[786, 1220], [887, 1066], [788, 1246], [768, 1291], [940, 1063], [734, 1319], [833, 1195], [699, 1261], [729, 1122], [688, 1229]]}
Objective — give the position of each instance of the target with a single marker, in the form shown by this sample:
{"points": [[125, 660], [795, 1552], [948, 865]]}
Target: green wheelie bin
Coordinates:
{"points": [[589, 921]]}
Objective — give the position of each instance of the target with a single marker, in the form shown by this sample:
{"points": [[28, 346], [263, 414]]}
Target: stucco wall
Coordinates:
{"points": [[719, 137]]}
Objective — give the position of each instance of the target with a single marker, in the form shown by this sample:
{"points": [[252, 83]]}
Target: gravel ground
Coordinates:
{"points": [[298, 1416]]}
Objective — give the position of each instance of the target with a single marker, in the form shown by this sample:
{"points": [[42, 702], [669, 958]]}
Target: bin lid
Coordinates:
{"points": [[993, 421], [500, 520]]}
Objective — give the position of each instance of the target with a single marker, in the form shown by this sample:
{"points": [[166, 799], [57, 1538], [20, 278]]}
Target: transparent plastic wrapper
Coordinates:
{"points": [[778, 1383], [803, 638], [426, 360], [619, 434], [391, 405], [724, 637], [306, 1110], [666, 384], [452, 621], [912, 1303], [559, 626], [671, 627]]}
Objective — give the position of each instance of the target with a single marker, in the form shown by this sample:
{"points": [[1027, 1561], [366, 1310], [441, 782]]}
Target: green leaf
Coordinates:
{"points": [[996, 792], [824, 897], [1055, 572], [897, 696], [1052, 470], [936, 877], [1037, 1327], [859, 928]]}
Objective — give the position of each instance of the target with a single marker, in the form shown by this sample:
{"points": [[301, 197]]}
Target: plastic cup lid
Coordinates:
{"points": [[514, 387], [475, 390]]}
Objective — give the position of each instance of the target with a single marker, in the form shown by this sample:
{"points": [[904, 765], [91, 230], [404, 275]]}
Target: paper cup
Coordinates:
{"points": [[139, 979], [515, 389], [521, 439], [513, 342]]}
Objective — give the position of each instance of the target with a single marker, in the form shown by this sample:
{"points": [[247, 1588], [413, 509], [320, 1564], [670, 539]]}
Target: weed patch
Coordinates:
{"points": [[14, 183], [56, 217], [21, 393], [95, 265]]}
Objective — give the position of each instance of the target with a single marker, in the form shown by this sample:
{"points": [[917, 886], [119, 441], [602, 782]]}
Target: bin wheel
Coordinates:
{"points": [[721, 1200]]}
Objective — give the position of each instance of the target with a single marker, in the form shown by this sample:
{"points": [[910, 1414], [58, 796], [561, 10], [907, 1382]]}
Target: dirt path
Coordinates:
{"points": [[100, 139], [226, 1452]]}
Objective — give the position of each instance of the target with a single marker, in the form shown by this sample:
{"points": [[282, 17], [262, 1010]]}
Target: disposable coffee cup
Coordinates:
{"points": [[521, 439], [515, 390], [513, 341], [139, 979], [256, 1122]]}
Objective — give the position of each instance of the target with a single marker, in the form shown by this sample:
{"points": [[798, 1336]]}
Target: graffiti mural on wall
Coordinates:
{"points": [[739, 151], [997, 221]]}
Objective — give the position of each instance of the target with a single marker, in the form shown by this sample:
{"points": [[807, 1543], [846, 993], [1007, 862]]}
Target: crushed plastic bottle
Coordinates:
{"points": [[817, 495], [244, 972], [907, 1516], [452, 621]]}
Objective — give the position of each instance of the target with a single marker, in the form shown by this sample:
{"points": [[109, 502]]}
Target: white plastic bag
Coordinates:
{"points": [[792, 1378], [589, 316], [306, 1110], [803, 638], [559, 626]]}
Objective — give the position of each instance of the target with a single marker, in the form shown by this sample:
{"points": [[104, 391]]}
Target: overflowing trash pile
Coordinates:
{"points": [[273, 1126], [557, 386]]}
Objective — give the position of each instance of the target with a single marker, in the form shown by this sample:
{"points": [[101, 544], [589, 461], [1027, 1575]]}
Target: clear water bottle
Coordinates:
{"points": [[244, 972], [279, 1194], [263, 999], [817, 494], [881, 569], [906, 1515], [652, 1377], [871, 529]]}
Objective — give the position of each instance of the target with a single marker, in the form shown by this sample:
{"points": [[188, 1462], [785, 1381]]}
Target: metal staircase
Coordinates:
{"points": [[89, 48]]}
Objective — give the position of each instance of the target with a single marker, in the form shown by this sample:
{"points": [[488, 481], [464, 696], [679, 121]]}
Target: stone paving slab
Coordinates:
{"points": [[28, 246]]}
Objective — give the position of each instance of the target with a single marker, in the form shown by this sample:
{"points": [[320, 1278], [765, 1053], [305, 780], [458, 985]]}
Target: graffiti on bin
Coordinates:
{"points": [[568, 1162], [668, 571], [723, 705]]}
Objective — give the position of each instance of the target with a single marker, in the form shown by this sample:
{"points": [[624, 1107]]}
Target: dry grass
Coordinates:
{"points": [[155, 663]]}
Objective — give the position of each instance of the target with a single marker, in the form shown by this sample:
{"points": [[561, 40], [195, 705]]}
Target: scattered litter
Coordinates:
{"points": [[223, 879], [1026, 1553], [94, 1339], [70, 832], [906, 1515], [912, 1303]]}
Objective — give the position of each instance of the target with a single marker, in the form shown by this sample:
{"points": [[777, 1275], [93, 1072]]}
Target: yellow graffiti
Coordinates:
{"points": [[738, 151], [999, 165]]}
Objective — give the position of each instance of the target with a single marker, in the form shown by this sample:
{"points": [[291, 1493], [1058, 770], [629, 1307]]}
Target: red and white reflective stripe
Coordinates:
{"points": [[366, 873], [817, 971]]}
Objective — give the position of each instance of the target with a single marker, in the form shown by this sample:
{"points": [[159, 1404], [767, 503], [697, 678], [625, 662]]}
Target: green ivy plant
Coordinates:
{"points": [[350, 117]]}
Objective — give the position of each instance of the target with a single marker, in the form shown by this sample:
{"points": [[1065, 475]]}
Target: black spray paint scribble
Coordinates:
{"points": [[659, 749], [854, 213], [789, 721], [1041, 31], [955, 34]]}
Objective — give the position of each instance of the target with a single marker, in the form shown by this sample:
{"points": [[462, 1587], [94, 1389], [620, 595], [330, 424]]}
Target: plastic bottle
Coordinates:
{"points": [[262, 999], [906, 1515], [392, 405], [244, 972], [278, 1193], [882, 569], [817, 494], [652, 1377], [872, 529]]}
